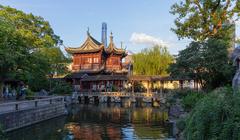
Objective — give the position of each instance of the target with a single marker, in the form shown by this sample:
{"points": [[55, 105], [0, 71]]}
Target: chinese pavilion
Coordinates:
{"points": [[97, 67]]}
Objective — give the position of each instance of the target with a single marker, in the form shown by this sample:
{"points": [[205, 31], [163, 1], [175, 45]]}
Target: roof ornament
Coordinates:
{"points": [[88, 31], [111, 37]]}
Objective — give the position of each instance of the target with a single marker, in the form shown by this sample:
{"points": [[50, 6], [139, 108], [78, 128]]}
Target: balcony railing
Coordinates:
{"points": [[90, 67]]}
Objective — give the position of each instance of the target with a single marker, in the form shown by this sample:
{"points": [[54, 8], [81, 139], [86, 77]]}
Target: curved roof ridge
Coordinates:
{"points": [[89, 45], [112, 47], [94, 40]]}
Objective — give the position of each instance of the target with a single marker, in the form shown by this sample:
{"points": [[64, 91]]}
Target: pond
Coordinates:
{"points": [[96, 122]]}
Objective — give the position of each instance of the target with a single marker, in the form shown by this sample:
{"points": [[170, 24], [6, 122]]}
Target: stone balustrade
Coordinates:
{"points": [[121, 94], [14, 115], [22, 105]]}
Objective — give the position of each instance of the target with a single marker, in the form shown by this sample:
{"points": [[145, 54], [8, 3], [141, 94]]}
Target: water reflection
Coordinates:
{"points": [[99, 122]]}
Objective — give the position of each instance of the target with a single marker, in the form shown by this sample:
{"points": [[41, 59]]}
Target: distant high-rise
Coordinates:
{"points": [[104, 34]]}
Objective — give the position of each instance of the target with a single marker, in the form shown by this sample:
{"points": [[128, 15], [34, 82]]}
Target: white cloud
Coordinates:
{"points": [[142, 38]]}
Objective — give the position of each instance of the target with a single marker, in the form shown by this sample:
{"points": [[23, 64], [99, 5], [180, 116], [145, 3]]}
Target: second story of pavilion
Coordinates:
{"points": [[93, 56]]}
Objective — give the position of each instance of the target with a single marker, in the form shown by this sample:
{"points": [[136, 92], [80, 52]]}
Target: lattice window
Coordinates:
{"points": [[95, 60], [115, 61], [86, 60]]}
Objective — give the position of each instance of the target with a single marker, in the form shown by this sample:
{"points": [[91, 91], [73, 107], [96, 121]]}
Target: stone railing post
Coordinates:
{"points": [[36, 103], [16, 106]]}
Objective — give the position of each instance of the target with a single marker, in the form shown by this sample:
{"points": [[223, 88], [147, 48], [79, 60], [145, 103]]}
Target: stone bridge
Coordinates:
{"points": [[123, 94], [120, 97]]}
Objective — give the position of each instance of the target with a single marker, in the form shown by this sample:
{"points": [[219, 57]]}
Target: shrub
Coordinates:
{"points": [[189, 101], [216, 116], [181, 124], [170, 100], [61, 88], [2, 134], [29, 92], [180, 94]]}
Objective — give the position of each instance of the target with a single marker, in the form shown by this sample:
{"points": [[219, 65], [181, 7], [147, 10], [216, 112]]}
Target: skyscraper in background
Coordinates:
{"points": [[104, 34]]}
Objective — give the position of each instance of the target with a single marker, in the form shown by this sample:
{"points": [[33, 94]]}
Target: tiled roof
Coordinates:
{"points": [[154, 78], [113, 49], [105, 78], [90, 45]]}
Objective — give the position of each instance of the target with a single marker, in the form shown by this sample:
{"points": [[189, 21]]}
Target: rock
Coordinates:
{"points": [[175, 111], [236, 61]]}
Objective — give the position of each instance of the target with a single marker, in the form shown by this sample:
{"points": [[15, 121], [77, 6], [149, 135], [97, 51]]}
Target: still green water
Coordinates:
{"points": [[96, 122]]}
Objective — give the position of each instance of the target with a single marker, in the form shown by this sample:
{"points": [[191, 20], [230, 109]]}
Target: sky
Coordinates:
{"points": [[137, 24]]}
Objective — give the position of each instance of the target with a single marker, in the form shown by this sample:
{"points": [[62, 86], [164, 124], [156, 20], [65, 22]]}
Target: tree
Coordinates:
{"points": [[57, 60], [189, 63], [201, 19], [207, 62], [12, 52], [29, 49], [35, 29], [152, 61]]}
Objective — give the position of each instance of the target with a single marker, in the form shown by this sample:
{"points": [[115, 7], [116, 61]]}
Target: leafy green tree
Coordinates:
{"points": [[35, 29], [57, 60], [207, 62], [152, 61], [201, 19], [29, 49], [189, 63], [61, 88], [216, 60], [12, 52], [190, 100]]}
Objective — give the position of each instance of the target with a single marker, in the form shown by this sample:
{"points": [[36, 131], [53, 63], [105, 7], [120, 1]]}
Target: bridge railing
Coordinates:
{"points": [[22, 105]]}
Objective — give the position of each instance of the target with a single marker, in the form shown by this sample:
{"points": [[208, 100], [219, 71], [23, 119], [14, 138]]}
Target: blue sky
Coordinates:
{"points": [[136, 23]]}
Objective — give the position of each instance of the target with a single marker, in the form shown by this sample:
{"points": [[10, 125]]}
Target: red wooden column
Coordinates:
{"points": [[195, 84], [105, 85], [73, 84], [80, 85], [74, 81], [91, 58], [80, 62], [161, 86], [121, 85], [181, 84], [132, 86], [148, 87], [151, 86], [118, 83], [90, 87]]}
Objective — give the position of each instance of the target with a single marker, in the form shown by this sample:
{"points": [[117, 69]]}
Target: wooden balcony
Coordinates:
{"points": [[90, 67], [113, 67]]}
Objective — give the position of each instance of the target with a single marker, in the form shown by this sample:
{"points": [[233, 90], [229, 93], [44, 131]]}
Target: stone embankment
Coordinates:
{"points": [[176, 112], [19, 114]]}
